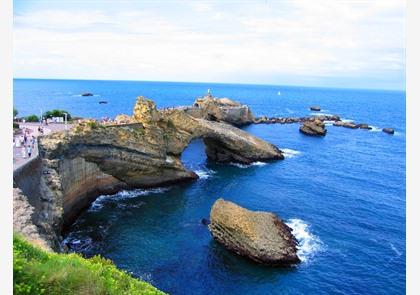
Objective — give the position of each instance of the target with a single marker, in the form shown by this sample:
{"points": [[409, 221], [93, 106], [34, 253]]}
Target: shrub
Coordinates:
{"points": [[15, 125], [15, 112], [57, 113], [32, 118], [38, 272]]}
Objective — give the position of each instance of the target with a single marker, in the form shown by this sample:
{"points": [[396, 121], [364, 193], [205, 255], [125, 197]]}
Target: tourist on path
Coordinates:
{"points": [[29, 150], [23, 152]]}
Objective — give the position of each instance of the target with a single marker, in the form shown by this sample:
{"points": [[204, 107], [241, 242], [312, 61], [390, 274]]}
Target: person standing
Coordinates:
{"points": [[23, 151], [29, 150]]}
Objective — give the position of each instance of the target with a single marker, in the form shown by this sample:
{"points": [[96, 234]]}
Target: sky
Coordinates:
{"points": [[344, 44]]}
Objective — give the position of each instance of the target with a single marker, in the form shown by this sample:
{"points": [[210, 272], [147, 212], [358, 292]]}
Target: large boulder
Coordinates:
{"points": [[221, 109], [313, 128], [315, 108], [388, 130], [260, 236]]}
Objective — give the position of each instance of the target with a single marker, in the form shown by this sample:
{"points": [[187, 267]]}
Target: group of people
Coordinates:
{"points": [[26, 142]]}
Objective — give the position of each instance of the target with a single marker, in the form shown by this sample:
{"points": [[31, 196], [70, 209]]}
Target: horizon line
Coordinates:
{"points": [[226, 83]]}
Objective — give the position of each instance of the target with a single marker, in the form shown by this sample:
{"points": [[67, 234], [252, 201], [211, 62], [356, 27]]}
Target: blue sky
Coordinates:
{"points": [[351, 44]]}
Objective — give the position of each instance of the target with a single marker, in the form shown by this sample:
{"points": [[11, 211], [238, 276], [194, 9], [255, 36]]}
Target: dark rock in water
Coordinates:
{"points": [[364, 126], [260, 236], [350, 125], [87, 94], [388, 130], [315, 108], [313, 128], [205, 221], [103, 102]]}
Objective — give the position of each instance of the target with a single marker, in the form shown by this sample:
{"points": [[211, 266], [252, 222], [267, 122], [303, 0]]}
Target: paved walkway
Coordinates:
{"points": [[32, 128]]}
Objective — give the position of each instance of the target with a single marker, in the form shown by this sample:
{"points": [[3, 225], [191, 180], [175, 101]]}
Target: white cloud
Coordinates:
{"points": [[254, 42]]}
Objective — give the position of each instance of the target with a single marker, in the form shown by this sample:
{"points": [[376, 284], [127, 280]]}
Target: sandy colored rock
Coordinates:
{"points": [[313, 128], [260, 236]]}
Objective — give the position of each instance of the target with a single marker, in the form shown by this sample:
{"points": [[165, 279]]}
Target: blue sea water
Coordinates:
{"points": [[343, 195]]}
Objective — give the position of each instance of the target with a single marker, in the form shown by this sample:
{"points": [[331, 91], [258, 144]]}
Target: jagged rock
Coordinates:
{"points": [[260, 236], [315, 108], [388, 130], [313, 128], [124, 119], [221, 109], [364, 126]]}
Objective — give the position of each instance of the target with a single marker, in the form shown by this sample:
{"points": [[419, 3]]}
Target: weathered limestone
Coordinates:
{"points": [[221, 109], [313, 128], [260, 236]]}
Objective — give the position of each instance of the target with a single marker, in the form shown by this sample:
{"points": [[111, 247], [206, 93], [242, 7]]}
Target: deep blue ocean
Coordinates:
{"points": [[343, 195]]}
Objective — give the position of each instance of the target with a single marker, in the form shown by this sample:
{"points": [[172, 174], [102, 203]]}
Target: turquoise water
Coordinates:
{"points": [[344, 194]]}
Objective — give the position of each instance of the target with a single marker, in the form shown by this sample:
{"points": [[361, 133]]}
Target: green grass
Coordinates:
{"points": [[39, 272]]}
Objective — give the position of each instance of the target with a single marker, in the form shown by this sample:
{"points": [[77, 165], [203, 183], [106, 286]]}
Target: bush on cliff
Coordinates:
{"points": [[57, 113], [38, 272], [32, 118]]}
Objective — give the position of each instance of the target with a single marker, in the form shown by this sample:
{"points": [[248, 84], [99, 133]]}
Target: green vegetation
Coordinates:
{"points": [[32, 118], [38, 272], [56, 113], [15, 112], [15, 125]]}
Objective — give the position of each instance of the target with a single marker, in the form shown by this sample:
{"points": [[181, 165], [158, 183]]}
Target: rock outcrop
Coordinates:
{"points": [[260, 236], [315, 108], [388, 130], [92, 158], [313, 128], [222, 110]]}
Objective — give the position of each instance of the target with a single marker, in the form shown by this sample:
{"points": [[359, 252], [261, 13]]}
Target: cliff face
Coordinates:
{"points": [[92, 159]]}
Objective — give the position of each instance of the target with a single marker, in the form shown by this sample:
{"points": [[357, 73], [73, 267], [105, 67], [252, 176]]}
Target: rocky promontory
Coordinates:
{"points": [[313, 128], [260, 236], [138, 151]]}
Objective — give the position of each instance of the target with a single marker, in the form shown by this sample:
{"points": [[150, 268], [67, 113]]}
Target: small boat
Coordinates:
{"points": [[103, 102]]}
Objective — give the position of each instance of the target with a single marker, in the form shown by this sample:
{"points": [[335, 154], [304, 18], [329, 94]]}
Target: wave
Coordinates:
{"points": [[375, 129], [289, 153], [347, 120], [308, 243], [290, 111], [320, 114], [243, 166], [204, 174], [124, 194]]}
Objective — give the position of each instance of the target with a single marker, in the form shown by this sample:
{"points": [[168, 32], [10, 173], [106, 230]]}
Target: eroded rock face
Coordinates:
{"points": [[313, 128], [92, 158], [260, 236], [221, 109]]}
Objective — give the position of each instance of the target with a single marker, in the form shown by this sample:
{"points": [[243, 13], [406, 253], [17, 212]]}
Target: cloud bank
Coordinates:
{"points": [[319, 43]]}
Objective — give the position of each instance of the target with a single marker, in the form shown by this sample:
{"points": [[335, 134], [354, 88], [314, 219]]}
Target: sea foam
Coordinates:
{"points": [[204, 174], [124, 194], [289, 153], [243, 166], [309, 244]]}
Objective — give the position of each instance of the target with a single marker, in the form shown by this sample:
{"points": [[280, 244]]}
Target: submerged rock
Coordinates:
{"points": [[260, 236], [388, 130], [313, 128]]}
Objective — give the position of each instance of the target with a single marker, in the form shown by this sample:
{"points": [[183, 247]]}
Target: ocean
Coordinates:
{"points": [[343, 194]]}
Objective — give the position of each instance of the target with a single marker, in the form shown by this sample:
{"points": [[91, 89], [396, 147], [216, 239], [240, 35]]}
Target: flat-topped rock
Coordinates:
{"points": [[221, 109], [313, 128], [315, 108], [388, 130], [260, 236]]}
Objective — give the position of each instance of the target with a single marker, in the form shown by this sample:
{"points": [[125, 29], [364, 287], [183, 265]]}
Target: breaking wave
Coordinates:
{"points": [[122, 195], [289, 153], [309, 244], [258, 163], [204, 174]]}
